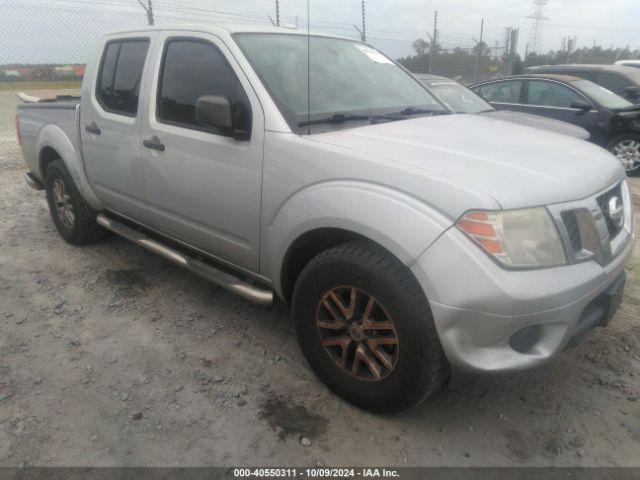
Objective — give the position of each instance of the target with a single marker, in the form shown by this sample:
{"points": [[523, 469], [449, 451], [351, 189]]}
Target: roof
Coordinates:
{"points": [[547, 76], [427, 77], [224, 30], [585, 66]]}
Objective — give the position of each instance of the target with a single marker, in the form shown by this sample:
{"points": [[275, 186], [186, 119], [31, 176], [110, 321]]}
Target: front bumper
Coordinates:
{"points": [[490, 319]]}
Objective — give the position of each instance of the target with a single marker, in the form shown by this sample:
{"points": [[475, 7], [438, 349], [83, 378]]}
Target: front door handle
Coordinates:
{"points": [[93, 128], [154, 144]]}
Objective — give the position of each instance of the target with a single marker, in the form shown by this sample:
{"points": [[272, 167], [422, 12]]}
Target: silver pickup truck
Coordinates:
{"points": [[314, 169]]}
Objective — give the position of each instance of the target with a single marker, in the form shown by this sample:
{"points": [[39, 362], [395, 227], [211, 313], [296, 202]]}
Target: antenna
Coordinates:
{"points": [[308, 67], [538, 17]]}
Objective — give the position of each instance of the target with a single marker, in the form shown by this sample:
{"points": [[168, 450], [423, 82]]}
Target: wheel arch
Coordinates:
{"points": [[324, 216], [305, 248], [53, 143]]}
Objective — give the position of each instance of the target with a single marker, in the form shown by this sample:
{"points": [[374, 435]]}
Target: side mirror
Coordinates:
{"points": [[215, 111], [632, 92], [582, 105]]}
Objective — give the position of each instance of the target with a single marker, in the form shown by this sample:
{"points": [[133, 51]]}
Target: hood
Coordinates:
{"points": [[518, 166], [538, 121]]}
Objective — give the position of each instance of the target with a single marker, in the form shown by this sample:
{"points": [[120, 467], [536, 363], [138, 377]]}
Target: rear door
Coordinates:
{"points": [[110, 125], [503, 95], [553, 99], [203, 187]]}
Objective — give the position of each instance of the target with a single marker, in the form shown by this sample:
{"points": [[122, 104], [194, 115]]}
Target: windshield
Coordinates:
{"points": [[346, 77], [458, 98], [601, 95]]}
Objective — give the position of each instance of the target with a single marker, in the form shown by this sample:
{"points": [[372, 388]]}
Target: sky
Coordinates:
{"points": [[64, 31]]}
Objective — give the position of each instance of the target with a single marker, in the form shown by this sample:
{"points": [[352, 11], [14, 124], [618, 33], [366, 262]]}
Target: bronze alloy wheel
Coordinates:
{"points": [[63, 205], [357, 333]]}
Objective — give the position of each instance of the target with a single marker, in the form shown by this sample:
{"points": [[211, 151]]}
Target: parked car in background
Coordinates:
{"points": [[629, 63], [620, 79], [612, 121], [460, 99]]}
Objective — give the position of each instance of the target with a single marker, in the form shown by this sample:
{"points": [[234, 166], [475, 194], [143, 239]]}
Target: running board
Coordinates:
{"points": [[223, 279]]}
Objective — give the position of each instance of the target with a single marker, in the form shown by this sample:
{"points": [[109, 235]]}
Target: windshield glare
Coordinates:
{"points": [[345, 77], [601, 95], [458, 98]]}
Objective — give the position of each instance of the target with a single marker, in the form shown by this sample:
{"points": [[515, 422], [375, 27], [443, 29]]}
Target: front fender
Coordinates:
{"points": [[402, 224], [56, 138]]}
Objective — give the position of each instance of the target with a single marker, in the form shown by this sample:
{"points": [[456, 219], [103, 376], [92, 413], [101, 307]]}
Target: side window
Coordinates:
{"points": [[610, 81], [550, 94], [120, 76], [191, 69], [107, 72], [502, 92]]}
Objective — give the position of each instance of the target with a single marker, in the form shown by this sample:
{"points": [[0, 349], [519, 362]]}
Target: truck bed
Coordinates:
{"points": [[36, 116]]}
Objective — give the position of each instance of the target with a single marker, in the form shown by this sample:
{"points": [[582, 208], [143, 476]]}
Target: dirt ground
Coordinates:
{"points": [[111, 356]]}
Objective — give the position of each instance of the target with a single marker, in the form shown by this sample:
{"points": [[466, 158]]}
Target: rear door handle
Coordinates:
{"points": [[154, 144], [93, 128]]}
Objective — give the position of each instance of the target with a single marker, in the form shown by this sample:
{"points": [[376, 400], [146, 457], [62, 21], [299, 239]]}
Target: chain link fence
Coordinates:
{"points": [[46, 43]]}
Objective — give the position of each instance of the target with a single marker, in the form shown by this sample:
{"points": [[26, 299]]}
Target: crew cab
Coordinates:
{"points": [[314, 169]]}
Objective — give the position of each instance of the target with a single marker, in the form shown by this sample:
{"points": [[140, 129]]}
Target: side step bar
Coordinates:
{"points": [[223, 279], [33, 182]]}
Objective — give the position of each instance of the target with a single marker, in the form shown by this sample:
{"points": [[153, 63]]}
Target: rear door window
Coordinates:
{"points": [[502, 92], [120, 76]]}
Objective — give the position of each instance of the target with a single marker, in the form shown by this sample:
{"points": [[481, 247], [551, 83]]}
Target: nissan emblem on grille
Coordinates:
{"points": [[615, 211]]}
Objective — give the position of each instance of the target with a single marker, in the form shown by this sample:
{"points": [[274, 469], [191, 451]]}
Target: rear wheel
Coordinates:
{"points": [[366, 329], [71, 214], [627, 149]]}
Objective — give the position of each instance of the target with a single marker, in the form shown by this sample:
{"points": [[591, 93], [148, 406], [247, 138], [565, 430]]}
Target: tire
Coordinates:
{"points": [[414, 367], [626, 148], [82, 227]]}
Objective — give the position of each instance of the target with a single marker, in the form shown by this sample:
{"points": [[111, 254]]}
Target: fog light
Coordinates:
{"points": [[524, 340]]}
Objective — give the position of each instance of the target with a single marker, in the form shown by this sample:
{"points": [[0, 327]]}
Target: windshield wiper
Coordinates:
{"points": [[416, 110], [335, 118]]}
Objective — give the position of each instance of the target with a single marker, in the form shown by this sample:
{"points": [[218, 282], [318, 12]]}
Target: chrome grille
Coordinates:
{"points": [[587, 230], [573, 229]]}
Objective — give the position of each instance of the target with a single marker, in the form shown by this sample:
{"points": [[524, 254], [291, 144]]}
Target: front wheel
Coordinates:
{"points": [[627, 149], [366, 329]]}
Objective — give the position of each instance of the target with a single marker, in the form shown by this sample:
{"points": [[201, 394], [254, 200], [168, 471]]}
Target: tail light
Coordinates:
{"points": [[18, 130]]}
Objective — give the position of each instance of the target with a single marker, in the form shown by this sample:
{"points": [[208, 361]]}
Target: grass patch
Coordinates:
{"points": [[44, 85]]}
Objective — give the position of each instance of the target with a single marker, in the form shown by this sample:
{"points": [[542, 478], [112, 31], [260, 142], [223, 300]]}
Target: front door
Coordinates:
{"points": [[110, 126], [555, 100], [202, 184]]}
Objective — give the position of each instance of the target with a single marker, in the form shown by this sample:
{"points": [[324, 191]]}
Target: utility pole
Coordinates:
{"points": [[148, 8], [362, 31], [513, 47], [434, 42], [479, 47], [277, 13]]}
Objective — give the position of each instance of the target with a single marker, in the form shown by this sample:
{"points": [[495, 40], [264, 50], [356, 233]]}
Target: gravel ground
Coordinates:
{"points": [[111, 356]]}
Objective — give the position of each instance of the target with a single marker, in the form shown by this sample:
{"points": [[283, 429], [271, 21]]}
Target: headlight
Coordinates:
{"points": [[516, 238]]}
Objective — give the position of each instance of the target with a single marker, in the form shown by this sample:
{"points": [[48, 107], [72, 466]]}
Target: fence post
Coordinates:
{"points": [[434, 40], [479, 50]]}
